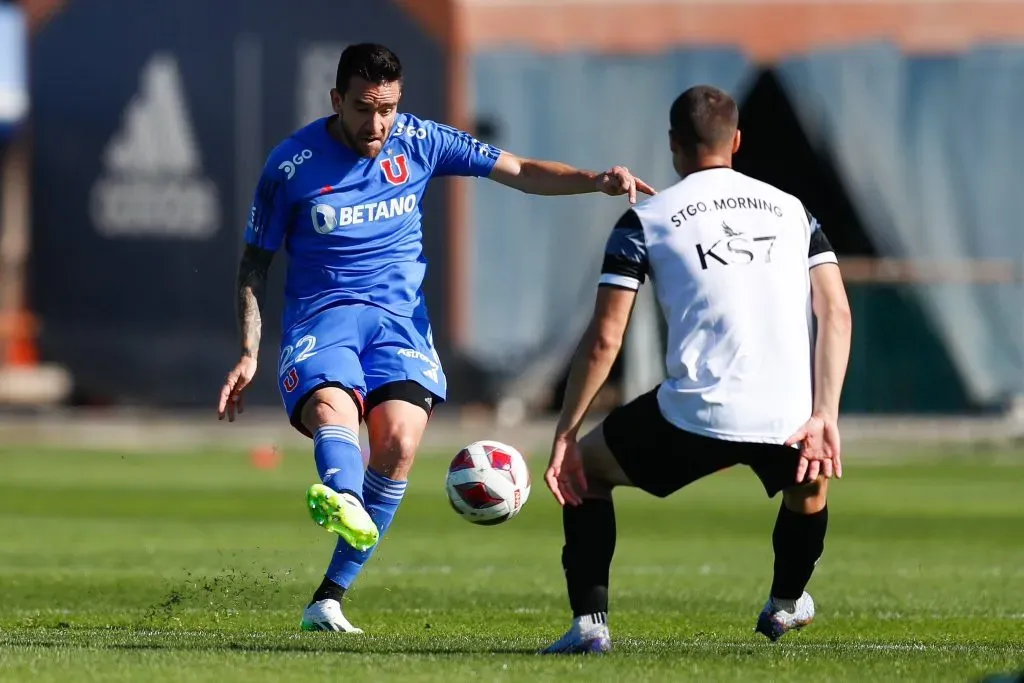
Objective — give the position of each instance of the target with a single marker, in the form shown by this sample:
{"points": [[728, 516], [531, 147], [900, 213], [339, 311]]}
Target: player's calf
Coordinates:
{"points": [[331, 415], [395, 428], [798, 540], [586, 561], [589, 547]]}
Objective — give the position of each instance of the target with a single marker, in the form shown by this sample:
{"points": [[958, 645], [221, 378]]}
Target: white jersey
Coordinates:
{"points": [[729, 258]]}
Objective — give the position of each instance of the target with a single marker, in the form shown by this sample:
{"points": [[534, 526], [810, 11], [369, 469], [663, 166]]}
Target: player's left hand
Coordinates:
{"points": [[820, 449], [618, 181], [231, 393], [565, 476]]}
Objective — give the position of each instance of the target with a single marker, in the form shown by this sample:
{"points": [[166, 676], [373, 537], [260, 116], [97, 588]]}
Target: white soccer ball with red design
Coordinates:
{"points": [[488, 482]]}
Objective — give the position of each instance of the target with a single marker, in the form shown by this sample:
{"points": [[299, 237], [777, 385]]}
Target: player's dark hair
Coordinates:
{"points": [[369, 61], [704, 118]]}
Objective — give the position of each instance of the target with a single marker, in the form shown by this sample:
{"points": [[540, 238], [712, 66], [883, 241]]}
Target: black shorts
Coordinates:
{"points": [[660, 458]]}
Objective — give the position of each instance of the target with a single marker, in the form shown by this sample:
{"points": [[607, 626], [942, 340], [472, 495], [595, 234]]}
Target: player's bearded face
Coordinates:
{"points": [[366, 114]]}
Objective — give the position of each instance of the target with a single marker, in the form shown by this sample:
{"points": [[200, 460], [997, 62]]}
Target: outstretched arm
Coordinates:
{"points": [[458, 153], [555, 178]]}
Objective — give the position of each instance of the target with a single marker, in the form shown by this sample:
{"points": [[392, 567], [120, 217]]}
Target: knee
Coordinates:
{"points": [[320, 411], [598, 487], [807, 499], [395, 431], [393, 451], [328, 407], [600, 481], [398, 442], [601, 470]]}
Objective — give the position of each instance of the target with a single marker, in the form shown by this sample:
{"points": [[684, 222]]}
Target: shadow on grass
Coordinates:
{"points": [[133, 639]]}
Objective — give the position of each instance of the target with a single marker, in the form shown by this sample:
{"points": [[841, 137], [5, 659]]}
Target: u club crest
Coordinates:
{"points": [[396, 169]]}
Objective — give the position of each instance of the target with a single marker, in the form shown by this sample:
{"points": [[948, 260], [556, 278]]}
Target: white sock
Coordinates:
{"points": [[589, 622], [784, 605]]}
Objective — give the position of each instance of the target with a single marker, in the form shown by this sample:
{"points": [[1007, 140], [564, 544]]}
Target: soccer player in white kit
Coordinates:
{"points": [[738, 267]]}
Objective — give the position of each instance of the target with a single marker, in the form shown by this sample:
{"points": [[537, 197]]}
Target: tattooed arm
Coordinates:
{"points": [[265, 232], [252, 289]]}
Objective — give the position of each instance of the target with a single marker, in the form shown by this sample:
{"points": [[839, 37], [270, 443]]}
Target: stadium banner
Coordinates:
{"points": [[141, 189]]}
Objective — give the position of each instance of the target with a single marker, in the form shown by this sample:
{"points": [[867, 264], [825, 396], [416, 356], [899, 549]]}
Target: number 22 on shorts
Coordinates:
{"points": [[286, 367]]}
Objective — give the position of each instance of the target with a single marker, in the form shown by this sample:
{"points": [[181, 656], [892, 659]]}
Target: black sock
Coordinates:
{"points": [[328, 590], [798, 541], [587, 554]]}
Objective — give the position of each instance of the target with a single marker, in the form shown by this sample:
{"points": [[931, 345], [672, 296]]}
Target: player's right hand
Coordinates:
{"points": [[231, 393], [618, 181], [819, 449], [565, 476]]}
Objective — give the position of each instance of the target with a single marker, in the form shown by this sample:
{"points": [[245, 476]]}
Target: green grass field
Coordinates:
{"points": [[131, 567]]}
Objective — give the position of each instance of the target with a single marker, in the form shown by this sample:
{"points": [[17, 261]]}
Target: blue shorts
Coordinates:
{"points": [[360, 348]]}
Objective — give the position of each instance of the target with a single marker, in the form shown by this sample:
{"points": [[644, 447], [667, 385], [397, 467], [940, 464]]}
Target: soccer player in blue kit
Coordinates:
{"points": [[343, 195]]}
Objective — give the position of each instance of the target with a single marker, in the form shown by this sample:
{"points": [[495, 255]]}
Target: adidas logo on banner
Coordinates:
{"points": [[153, 183]]}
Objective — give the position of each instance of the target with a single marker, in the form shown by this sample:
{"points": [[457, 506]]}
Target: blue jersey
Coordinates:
{"points": [[352, 225]]}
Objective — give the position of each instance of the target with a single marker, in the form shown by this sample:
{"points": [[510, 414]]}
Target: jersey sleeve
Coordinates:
{"points": [[269, 214], [820, 249], [625, 254], [457, 153]]}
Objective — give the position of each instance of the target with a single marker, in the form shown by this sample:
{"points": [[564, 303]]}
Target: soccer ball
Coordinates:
{"points": [[488, 482]]}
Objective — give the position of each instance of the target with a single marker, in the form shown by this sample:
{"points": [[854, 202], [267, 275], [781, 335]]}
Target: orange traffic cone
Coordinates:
{"points": [[267, 457]]}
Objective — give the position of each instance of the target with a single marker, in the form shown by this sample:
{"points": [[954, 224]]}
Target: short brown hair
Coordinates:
{"points": [[704, 117]]}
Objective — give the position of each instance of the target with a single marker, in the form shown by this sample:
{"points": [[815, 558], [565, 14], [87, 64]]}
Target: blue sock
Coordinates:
{"points": [[381, 497], [339, 459]]}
